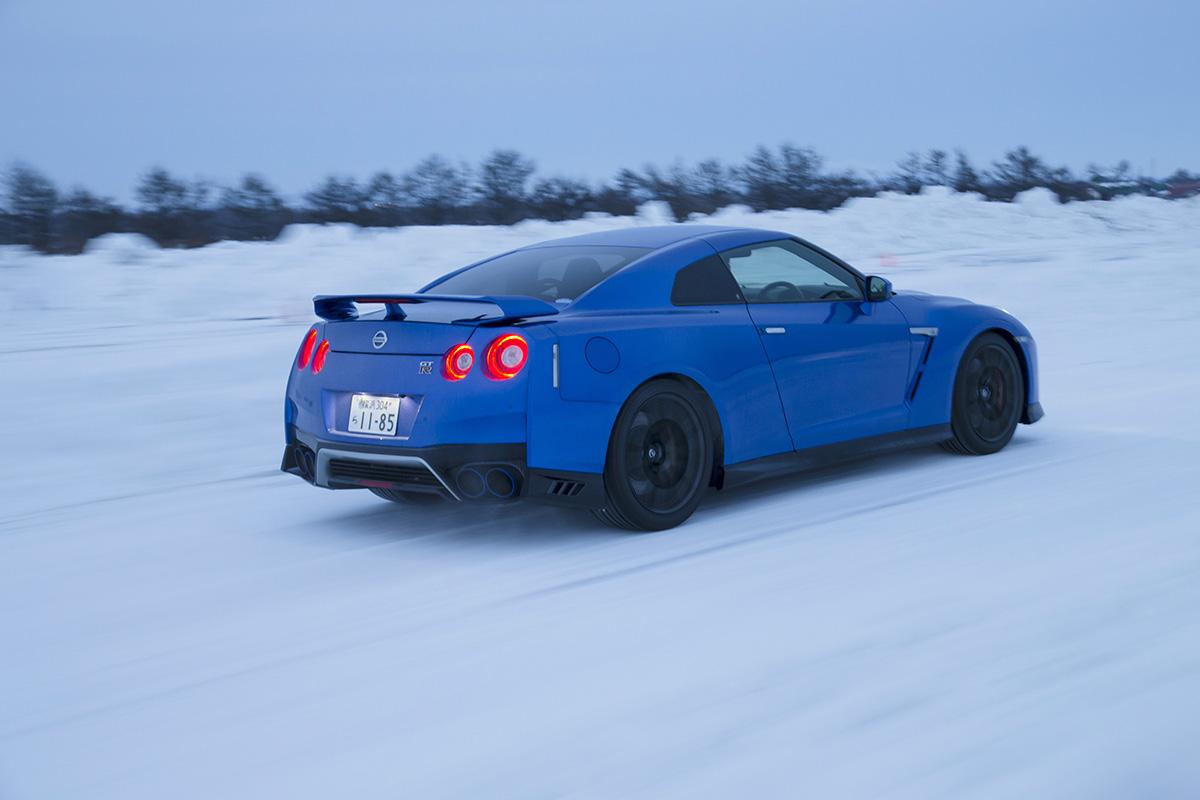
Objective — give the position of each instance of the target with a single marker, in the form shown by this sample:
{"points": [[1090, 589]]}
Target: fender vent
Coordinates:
{"points": [[561, 488]]}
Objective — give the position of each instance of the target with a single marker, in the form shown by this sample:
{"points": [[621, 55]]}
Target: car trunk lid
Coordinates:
{"points": [[415, 324]]}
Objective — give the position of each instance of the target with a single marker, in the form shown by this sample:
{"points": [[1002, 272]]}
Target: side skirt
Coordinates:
{"points": [[826, 455]]}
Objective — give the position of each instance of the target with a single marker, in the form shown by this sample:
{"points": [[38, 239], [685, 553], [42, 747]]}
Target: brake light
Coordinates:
{"points": [[319, 357], [306, 349], [506, 356], [458, 362]]}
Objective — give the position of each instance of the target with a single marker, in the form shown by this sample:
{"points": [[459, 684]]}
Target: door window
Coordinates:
{"points": [[788, 272]]}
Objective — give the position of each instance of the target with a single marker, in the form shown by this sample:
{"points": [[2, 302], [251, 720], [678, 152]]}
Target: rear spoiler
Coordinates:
{"points": [[345, 306]]}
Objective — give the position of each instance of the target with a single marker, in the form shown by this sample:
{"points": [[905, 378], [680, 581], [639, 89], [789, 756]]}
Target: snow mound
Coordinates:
{"points": [[122, 248]]}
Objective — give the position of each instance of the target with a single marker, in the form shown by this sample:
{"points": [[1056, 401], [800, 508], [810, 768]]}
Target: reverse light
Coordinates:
{"points": [[320, 356], [458, 362], [306, 349], [506, 356]]}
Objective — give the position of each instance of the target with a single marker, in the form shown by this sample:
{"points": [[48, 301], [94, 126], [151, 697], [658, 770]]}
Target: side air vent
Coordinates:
{"points": [[561, 488]]}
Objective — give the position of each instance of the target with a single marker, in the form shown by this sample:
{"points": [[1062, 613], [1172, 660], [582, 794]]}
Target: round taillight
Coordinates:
{"points": [[306, 349], [506, 356], [320, 356], [458, 362]]}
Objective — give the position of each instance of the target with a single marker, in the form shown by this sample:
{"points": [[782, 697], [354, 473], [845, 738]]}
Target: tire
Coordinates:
{"points": [[660, 458], [989, 393], [407, 498]]}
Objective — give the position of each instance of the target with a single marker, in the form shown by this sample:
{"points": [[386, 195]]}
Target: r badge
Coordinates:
{"points": [[425, 368]]}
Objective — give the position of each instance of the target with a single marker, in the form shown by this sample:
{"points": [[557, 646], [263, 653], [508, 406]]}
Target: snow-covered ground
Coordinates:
{"points": [[178, 619]]}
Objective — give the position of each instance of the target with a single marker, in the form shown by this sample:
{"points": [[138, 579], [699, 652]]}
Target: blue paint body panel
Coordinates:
{"points": [[840, 370]]}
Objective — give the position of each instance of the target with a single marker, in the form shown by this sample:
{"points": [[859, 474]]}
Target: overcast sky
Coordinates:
{"points": [[96, 91]]}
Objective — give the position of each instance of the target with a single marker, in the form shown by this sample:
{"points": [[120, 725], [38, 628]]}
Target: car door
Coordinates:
{"points": [[841, 363]]}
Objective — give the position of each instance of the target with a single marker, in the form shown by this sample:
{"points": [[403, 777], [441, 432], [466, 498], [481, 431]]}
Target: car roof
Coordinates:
{"points": [[651, 236]]}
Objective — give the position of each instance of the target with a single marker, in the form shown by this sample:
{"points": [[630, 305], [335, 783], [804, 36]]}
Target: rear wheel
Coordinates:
{"points": [[407, 498], [989, 391], [659, 458]]}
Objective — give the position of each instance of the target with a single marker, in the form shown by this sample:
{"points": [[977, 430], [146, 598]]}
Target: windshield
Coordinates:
{"points": [[555, 274]]}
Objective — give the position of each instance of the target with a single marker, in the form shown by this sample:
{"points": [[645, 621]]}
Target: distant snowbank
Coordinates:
{"points": [[128, 276]]}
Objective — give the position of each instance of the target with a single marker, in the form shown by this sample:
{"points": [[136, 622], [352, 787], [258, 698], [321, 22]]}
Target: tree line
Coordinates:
{"points": [[505, 188]]}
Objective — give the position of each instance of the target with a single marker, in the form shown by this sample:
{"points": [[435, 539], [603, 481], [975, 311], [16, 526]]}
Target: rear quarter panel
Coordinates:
{"points": [[605, 355]]}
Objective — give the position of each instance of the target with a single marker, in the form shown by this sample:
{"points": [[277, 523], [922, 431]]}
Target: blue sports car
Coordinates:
{"points": [[628, 372]]}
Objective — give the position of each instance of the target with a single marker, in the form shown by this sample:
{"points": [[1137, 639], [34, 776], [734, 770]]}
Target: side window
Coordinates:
{"points": [[705, 283], [789, 272]]}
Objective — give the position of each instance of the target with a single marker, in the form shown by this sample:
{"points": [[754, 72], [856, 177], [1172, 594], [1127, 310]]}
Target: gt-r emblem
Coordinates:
{"points": [[425, 368], [379, 339]]}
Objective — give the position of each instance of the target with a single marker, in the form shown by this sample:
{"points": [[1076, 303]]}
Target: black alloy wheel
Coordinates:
{"points": [[659, 458], [989, 392]]}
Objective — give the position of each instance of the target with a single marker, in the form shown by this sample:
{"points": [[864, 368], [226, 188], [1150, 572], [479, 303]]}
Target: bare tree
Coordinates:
{"points": [[503, 177], [965, 179], [337, 200], [435, 189], [560, 198], [251, 210], [910, 174], [937, 169]]}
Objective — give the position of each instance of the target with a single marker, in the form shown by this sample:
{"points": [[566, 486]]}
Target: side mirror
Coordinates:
{"points": [[878, 288]]}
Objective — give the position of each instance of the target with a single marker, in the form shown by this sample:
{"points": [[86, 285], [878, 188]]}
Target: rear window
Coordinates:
{"points": [[554, 274]]}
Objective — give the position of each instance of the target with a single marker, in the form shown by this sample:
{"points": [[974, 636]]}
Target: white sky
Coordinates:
{"points": [[96, 92]]}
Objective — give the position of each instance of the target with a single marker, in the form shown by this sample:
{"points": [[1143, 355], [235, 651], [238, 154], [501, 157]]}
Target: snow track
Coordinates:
{"points": [[178, 619]]}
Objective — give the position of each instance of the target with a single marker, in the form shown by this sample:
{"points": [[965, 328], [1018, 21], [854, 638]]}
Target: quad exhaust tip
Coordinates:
{"points": [[501, 483], [306, 462], [471, 483], [493, 481]]}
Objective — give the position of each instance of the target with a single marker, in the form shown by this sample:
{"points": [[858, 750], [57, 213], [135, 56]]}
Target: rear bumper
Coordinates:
{"points": [[464, 472]]}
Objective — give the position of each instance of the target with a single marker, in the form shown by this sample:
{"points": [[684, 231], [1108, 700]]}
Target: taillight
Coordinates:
{"points": [[506, 356], [458, 362], [306, 349], [319, 357]]}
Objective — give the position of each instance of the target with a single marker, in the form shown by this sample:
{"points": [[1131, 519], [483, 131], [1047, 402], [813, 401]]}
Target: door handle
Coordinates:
{"points": [[774, 330]]}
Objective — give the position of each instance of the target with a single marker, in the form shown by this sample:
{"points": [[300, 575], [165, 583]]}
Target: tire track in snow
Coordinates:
{"points": [[333, 645]]}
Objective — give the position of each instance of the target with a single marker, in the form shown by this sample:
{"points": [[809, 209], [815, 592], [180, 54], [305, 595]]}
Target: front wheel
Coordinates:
{"points": [[660, 458], [989, 391]]}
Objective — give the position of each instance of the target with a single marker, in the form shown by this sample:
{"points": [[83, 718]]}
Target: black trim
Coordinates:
{"points": [[826, 455], [565, 488], [446, 460], [1033, 412], [586, 489]]}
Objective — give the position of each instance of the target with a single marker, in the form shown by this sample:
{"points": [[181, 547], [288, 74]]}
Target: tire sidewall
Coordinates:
{"points": [[620, 496]]}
